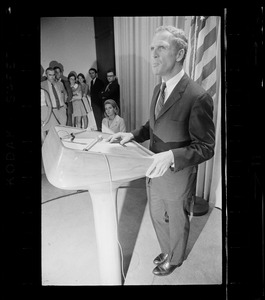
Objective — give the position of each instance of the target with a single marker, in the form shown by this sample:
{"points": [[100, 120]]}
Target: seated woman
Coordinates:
{"points": [[112, 122], [79, 110]]}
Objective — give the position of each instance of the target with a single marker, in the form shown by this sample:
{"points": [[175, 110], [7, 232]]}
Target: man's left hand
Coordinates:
{"points": [[162, 161]]}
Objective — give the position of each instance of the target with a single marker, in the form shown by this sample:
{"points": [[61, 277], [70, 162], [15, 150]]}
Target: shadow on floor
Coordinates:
{"points": [[134, 205], [133, 208], [196, 226]]}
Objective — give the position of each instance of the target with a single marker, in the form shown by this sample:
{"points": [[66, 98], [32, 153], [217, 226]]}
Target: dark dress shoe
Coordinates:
{"points": [[160, 258], [165, 269]]}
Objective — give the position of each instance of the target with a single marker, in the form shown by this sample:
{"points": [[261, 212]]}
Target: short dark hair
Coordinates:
{"points": [[57, 67], [92, 69], [49, 69], [111, 70]]}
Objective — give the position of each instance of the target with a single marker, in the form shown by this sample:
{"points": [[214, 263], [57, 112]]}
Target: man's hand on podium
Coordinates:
{"points": [[162, 162], [121, 137]]}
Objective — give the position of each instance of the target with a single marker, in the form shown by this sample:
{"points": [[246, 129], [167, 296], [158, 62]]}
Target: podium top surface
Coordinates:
{"points": [[77, 159], [95, 142]]}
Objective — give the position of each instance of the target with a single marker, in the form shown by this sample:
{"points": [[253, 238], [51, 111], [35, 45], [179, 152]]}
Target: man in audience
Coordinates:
{"points": [[112, 89], [69, 93], [96, 86], [57, 95]]}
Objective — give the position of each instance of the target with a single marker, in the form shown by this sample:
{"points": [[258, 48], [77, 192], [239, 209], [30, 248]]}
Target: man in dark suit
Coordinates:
{"points": [[66, 84], [96, 86], [112, 89], [182, 135]]}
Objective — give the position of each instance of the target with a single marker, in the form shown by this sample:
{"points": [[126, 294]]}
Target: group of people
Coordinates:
{"points": [[181, 133], [68, 101]]}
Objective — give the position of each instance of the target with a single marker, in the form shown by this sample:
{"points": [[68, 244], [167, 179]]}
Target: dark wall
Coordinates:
{"points": [[104, 36]]}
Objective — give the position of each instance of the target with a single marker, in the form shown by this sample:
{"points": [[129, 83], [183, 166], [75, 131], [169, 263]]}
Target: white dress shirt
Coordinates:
{"points": [[171, 83]]}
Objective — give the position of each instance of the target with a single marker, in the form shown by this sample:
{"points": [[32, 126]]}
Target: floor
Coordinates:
{"points": [[69, 250]]}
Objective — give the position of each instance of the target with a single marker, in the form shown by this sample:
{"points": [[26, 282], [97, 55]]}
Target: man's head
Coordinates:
{"points": [[168, 51], [58, 72], [50, 74], [110, 75], [93, 73]]}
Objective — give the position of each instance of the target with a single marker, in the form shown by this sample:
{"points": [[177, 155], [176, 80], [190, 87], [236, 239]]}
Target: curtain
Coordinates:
{"points": [[132, 38]]}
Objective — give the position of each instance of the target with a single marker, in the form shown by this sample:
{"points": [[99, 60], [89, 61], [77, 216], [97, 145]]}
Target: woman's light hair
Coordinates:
{"points": [[180, 39]]}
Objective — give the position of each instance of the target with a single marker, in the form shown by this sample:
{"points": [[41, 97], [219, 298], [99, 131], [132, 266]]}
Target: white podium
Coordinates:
{"points": [[76, 159]]}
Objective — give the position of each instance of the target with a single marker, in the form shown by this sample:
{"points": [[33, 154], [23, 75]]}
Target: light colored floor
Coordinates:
{"points": [[69, 250]]}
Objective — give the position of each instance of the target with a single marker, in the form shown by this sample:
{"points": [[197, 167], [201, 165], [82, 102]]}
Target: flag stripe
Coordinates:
{"points": [[201, 21], [212, 90], [202, 60], [207, 70], [209, 26], [209, 81], [208, 41], [208, 55]]}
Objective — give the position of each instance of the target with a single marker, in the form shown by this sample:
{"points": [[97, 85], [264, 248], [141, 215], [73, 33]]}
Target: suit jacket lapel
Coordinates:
{"points": [[175, 95], [153, 104]]}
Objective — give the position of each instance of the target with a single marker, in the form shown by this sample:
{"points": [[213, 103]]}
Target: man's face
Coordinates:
{"points": [[110, 76], [50, 75], [92, 74], [163, 54], [58, 74]]}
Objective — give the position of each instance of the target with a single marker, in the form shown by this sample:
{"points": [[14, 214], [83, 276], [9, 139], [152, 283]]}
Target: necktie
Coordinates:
{"points": [[161, 99], [107, 86], [56, 97]]}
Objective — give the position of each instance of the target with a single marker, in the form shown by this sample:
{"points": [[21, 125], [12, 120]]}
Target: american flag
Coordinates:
{"points": [[201, 64]]}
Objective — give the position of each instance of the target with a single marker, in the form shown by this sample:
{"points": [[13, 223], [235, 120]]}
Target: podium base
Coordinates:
{"points": [[200, 207]]}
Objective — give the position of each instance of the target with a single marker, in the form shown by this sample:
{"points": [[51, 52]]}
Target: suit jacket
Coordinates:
{"points": [[95, 90], [184, 125], [112, 92], [68, 89], [118, 125], [61, 91]]}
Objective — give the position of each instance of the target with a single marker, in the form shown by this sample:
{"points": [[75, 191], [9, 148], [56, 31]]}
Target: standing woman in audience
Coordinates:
{"points": [[112, 123], [85, 91], [78, 106]]}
